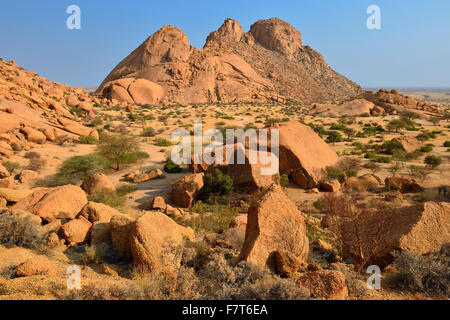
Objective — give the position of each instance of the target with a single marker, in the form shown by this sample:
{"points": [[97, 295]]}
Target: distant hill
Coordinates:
{"points": [[267, 64]]}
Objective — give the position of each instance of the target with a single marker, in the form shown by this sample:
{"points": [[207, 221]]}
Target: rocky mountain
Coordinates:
{"points": [[267, 64]]}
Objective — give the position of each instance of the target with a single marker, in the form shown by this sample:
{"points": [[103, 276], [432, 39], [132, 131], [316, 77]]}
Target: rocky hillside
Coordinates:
{"points": [[267, 64], [34, 110]]}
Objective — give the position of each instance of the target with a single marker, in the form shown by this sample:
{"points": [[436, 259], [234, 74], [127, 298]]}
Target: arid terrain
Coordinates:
{"points": [[86, 179]]}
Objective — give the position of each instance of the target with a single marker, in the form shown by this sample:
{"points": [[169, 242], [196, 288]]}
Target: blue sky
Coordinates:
{"points": [[411, 49]]}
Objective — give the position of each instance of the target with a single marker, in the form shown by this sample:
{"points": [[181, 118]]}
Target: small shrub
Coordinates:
{"points": [[114, 199], [428, 274], [87, 140], [161, 142], [96, 122], [433, 161], [172, 167], [212, 218], [426, 149], [11, 166], [148, 132], [447, 144], [19, 231]]}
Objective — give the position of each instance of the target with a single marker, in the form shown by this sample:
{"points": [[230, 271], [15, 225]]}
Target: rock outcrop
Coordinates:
{"points": [[54, 203], [265, 64], [156, 242], [422, 229], [274, 224], [185, 190], [304, 156]]}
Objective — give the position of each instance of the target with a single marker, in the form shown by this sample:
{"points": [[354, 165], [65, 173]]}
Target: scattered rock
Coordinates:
{"points": [[100, 233], [403, 184], [325, 284], [76, 231], [330, 185], [98, 212], [184, 191], [286, 263], [4, 173], [304, 156], [28, 175], [38, 265], [363, 183], [97, 182]]}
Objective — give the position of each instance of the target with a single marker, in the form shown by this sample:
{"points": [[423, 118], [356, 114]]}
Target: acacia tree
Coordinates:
{"points": [[119, 149]]}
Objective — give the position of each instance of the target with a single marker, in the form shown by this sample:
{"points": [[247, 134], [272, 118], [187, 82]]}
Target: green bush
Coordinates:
{"points": [[161, 142], [11, 166], [215, 184], [447, 144], [148, 132], [391, 146], [132, 117], [96, 122], [172, 167], [426, 136], [426, 149], [433, 161], [87, 140]]}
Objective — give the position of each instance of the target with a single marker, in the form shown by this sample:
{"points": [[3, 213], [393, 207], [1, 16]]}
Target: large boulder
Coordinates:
{"points": [[54, 203], [403, 184], [100, 233], [362, 183], [354, 107], [408, 143], [145, 92], [422, 229], [28, 175], [97, 182], [120, 226], [274, 224], [325, 284], [34, 135], [185, 190], [157, 242], [39, 265], [304, 156], [4, 173], [7, 182], [12, 195], [277, 35], [238, 165], [98, 212], [76, 231]]}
